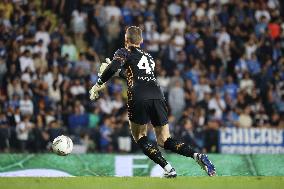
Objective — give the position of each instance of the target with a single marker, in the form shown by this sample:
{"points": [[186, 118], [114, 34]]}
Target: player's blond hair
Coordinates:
{"points": [[134, 35]]}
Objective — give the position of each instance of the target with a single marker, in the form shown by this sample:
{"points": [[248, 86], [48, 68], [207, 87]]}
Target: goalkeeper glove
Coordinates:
{"points": [[94, 92], [104, 66]]}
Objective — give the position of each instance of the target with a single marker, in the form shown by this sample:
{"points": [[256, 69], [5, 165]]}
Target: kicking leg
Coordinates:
{"points": [[164, 140], [139, 133]]}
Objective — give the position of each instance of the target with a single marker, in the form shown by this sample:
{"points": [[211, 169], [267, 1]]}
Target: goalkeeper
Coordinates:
{"points": [[146, 103]]}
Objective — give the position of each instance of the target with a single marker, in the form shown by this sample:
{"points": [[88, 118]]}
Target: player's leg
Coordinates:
{"points": [[167, 142], [164, 140], [139, 133], [159, 119]]}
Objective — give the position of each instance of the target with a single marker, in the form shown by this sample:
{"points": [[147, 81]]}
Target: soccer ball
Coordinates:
{"points": [[62, 145]]}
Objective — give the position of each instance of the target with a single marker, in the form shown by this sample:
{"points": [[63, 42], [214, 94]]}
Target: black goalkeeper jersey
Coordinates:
{"points": [[138, 68]]}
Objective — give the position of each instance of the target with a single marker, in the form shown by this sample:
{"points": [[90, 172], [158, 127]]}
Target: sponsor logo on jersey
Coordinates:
{"points": [[145, 78]]}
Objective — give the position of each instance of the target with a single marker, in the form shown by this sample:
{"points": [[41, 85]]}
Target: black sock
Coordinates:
{"points": [[179, 147], [151, 150]]}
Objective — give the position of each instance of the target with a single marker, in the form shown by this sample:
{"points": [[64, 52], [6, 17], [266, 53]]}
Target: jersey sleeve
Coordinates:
{"points": [[122, 73], [121, 55], [119, 58]]}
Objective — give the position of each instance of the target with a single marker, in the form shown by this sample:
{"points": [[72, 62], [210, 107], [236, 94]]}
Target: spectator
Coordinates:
{"points": [[78, 21], [77, 121], [231, 88], [253, 65], [165, 37], [163, 81], [23, 130], [245, 119], [241, 67], [176, 99], [251, 47], [262, 13], [54, 130], [124, 136], [152, 39], [223, 37], [115, 86], [117, 102], [188, 134], [261, 26], [274, 29], [54, 92], [178, 41], [94, 118], [8, 7], [77, 89], [200, 11], [26, 61], [247, 84], [69, 49], [4, 132], [53, 75], [112, 10], [281, 105], [178, 24], [275, 120], [42, 34], [40, 63], [175, 8], [202, 88], [231, 118], [105, 104], [261, 118], [3, 69], [217, 104], [26, 105], [113, 31], [41, 49], [106, 132]]}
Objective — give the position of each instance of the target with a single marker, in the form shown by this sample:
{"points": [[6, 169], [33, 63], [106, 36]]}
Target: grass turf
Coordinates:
{"points": [[235, 182]]}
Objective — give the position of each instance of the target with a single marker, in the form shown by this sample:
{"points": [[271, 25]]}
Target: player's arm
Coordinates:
{"points": [[122, 73], [110, 71], [107, 71]]}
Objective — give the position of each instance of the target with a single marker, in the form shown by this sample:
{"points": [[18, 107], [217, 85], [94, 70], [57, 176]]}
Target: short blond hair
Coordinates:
{"points": [[134, 35]]}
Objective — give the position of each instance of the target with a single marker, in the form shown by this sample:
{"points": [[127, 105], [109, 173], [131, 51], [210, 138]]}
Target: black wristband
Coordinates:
{"points": [[100, 82]]}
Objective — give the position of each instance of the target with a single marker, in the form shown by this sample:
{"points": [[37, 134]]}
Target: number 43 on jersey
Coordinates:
{"points": [[145, 64]]}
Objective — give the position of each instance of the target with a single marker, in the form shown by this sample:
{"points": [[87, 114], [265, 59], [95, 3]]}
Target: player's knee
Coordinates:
{"points": [[161, 141], [137, 137], [138, 131]]}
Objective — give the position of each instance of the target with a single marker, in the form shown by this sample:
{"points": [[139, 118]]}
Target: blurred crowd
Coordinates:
{"points": [[219, 63]]}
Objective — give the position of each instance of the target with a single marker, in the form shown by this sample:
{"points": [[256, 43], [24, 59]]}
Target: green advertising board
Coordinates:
{"points": [[134, 165]]}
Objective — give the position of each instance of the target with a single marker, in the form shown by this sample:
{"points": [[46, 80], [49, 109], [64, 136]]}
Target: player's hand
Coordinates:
{"points": [[94, 92], [103, 66]]}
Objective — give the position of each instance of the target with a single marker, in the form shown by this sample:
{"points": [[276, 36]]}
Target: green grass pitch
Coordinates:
{"points": [[228, 182]]}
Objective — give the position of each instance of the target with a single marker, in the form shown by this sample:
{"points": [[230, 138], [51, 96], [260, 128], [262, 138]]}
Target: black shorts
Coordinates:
{"points": [[145, 111]]}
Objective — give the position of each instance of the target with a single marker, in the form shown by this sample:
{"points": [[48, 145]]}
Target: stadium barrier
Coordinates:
{"points": [[51, 165], [251, 141]]}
